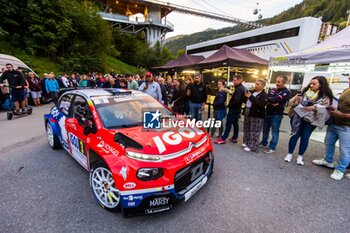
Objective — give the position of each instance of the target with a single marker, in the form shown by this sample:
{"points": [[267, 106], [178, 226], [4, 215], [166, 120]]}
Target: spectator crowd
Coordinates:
{"points": [[314, 106]]}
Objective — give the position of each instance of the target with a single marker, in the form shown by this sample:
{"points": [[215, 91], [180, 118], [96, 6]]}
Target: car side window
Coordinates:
{"points": [[81, 111], [65, 103]]}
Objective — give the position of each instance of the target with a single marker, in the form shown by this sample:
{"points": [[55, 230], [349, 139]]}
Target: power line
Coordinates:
{"points": [[200, 5], [215, 7]]}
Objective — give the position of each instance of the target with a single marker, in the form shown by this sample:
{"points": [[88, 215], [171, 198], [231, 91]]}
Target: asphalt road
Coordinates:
{"points": [[42, 190]]}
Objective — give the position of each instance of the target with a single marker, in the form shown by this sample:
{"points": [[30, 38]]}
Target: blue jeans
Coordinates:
{"points": [[232, 119], [341, 133], [304, 133], [195, 110], [219, 115], [273, 122]]}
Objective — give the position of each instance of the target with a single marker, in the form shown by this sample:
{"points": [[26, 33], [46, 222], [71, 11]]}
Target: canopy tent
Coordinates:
{"points": [[227, 56], [335, 49], [183, 62]]}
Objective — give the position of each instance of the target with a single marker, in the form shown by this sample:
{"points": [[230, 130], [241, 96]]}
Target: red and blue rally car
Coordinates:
{"points": [[133, 166]]}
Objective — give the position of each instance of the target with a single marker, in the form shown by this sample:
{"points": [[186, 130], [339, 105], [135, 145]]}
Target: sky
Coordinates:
{"points": [[243, 9]]}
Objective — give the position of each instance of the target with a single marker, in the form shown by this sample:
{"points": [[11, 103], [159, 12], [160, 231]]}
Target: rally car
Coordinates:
{"points": [[134, 165]]}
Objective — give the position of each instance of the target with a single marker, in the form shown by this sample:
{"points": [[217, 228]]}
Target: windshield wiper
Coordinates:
{"points": [[126, 125]]}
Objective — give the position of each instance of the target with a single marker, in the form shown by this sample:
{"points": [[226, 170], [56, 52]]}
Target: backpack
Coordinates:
{"points": [[8, 105]]}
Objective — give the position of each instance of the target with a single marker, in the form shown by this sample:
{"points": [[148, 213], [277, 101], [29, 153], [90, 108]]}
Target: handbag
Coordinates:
{"points": [[291, 111]]}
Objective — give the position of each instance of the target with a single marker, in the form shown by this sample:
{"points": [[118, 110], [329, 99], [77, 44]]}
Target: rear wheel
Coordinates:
{"points": [[9, 116], [52, 138], [103, 187]]}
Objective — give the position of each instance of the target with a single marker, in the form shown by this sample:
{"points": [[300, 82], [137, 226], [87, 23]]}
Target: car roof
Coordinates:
{"points": [[94, 92]]}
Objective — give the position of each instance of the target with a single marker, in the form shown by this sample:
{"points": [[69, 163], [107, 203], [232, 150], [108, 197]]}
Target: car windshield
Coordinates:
{"points": [[127, 110]]}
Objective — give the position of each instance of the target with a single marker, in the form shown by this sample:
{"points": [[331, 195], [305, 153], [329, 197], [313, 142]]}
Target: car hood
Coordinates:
{"points": [[165, 141]]}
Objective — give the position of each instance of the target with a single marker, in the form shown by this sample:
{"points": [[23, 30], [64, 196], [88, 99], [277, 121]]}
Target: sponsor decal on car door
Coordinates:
{"points": [[78, 150]]}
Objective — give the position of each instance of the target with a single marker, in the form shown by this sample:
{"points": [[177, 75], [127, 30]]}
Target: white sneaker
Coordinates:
{"points": [[347, 175], [269, 151], [288, 158], [337, 175], [246, 149], [244, 145], [323, 162], [300, 160]]}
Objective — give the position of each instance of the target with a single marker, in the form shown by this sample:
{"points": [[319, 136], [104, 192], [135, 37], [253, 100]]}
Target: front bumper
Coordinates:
{"points": [[187, 182]]}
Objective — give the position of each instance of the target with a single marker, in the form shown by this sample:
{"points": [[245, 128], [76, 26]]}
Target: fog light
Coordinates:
{"points": [[147, 174]]}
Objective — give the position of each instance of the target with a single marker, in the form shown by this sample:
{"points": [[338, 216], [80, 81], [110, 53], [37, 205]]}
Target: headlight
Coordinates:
{"points": [[147, 174], [144, 157]]}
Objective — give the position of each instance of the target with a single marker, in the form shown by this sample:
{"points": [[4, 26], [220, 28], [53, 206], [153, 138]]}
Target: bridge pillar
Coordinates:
{"points": [[153, 17]]}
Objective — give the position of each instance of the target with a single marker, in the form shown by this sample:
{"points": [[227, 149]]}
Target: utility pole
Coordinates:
{"points": [[348, 23]]}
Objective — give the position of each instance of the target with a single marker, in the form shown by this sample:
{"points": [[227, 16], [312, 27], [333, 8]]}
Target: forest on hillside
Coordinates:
{"points": [[330, 10], [72, 34]]}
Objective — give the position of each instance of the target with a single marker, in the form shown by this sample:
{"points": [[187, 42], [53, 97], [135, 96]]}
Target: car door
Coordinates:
{"points": [[80, 119], [60, 113]]}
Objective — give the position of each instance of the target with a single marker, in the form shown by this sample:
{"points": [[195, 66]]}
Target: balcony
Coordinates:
{"points": [[137, 21]]}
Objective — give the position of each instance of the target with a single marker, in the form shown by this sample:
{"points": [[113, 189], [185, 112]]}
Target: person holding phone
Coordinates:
{"points": [[314, 99], [339, 130], [151, 87], [254, 115]]}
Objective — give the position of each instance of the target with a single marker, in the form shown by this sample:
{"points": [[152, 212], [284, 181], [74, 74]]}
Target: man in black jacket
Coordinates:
{"points": [[16, 81], [276, 102], [234, 113], [197, 93]]}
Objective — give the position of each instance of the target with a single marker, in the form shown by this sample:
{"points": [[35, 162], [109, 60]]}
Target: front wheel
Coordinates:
{"points": [[52, 138], [103, 187]]}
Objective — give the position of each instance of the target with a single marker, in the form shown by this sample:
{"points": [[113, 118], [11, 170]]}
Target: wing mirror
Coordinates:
{"points": [[90, 129]]}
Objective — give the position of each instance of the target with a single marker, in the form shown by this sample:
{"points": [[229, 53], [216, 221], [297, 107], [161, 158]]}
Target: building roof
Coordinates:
{"points": [[333, 50], [227, 56], [181, 63]]}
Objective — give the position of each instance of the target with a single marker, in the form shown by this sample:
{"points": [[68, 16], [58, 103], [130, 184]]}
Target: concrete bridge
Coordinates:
{"points": [[153, 20]]}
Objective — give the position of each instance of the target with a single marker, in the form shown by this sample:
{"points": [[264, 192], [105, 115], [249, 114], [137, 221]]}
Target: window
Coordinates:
{"points": [[291, 32], [65, 103], [81, 111]]}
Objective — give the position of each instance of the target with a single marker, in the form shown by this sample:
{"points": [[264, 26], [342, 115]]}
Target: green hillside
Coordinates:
{"points": [[330, 10], [70, 36], [43, 65]]}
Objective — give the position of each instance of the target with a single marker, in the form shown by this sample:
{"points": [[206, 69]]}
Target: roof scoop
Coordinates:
{"points": [[127, 142]]}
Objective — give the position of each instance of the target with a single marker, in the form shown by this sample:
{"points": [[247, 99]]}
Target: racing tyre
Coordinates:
{"points": [[103, 187], [52, 138], [9, 116]]}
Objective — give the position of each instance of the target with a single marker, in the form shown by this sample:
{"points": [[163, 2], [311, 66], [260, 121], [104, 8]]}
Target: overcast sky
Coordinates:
{"points": [[243, 9]]}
